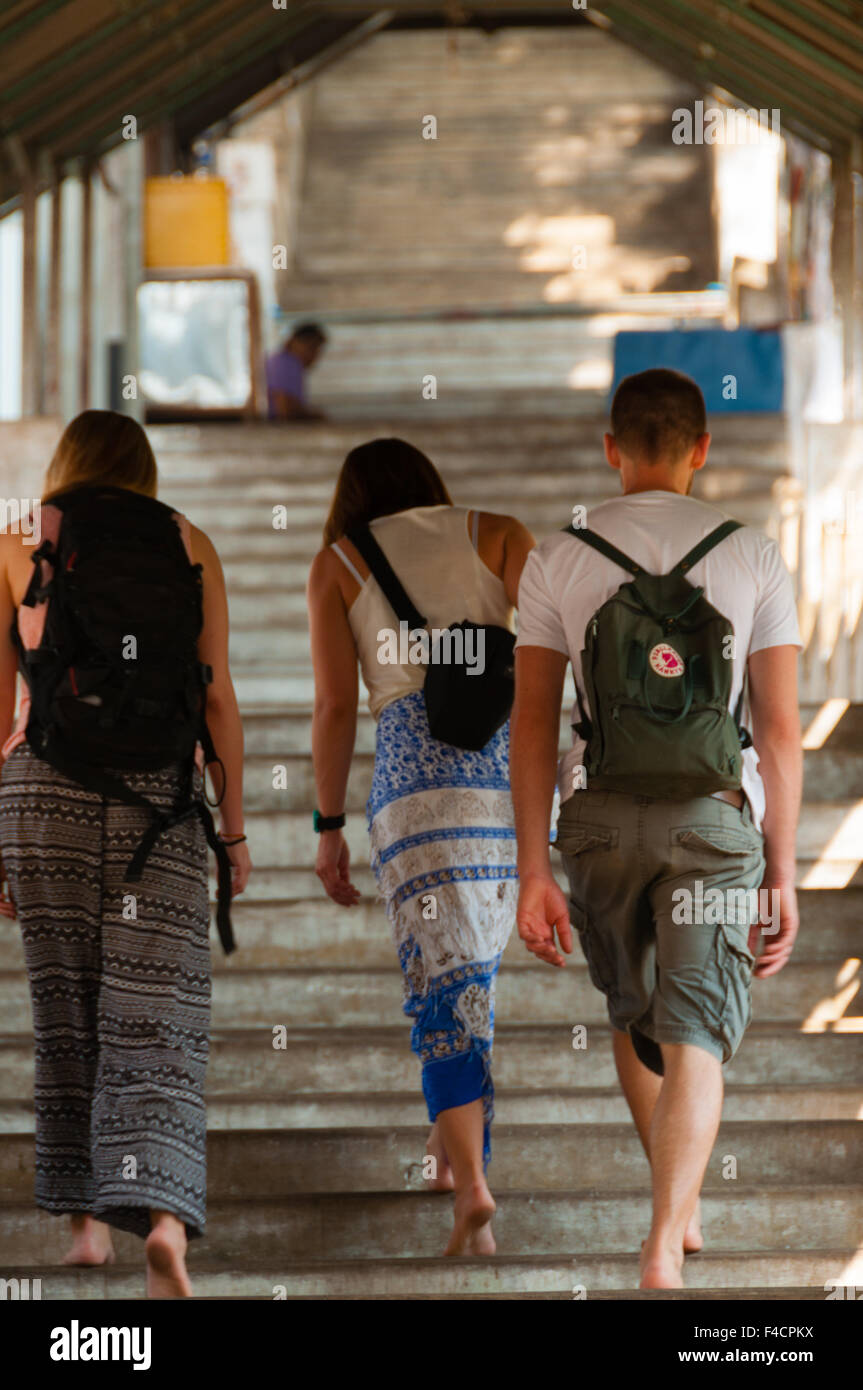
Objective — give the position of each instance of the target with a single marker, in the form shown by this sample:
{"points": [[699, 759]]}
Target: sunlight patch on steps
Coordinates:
{"points": [[824, 723], [853, 1271], [840, 858], [829, 1015]]}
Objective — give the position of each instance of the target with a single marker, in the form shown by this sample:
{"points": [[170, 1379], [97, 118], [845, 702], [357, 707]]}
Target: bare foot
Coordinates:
{"points": [[444, 1180], [661, 1268], [482, 1241], [166, 1259], [91, 1242], [693, 1240], [473, 1210]]}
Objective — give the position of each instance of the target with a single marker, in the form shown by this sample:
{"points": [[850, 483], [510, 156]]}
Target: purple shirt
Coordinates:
{"points": [[285, 373]]}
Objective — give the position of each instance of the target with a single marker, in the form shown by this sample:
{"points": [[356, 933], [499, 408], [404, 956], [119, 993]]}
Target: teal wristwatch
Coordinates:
{"points": [[327, 822]]}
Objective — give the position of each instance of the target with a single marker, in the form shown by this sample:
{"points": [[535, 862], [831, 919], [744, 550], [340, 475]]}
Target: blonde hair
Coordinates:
{"points": [[102, 446]]}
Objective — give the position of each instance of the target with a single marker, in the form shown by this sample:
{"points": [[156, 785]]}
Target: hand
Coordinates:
{"points": [[541, 908], [777, 945], [7, 907], [241, 867], [332, 868]]}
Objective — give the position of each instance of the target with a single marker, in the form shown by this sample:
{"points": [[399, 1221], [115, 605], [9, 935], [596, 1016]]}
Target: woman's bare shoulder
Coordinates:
{"points": [[503, 526], [203, 550]]}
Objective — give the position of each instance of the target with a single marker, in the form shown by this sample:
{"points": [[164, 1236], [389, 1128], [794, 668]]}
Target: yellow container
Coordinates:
{"points": [[185, 222]]}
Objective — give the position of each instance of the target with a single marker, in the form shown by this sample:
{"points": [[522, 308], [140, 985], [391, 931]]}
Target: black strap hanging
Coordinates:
{"points": [[611, 552], [97, 780], [404, 609]]}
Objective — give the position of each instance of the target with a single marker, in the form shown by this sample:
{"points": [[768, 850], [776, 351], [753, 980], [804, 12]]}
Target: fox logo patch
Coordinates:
{"points": [[665, 661]]}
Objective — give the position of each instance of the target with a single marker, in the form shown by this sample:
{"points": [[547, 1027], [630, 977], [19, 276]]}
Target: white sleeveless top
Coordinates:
{"points": [[436, 560]]}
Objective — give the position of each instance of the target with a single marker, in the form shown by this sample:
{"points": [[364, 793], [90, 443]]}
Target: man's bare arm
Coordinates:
{"points": [[775, 713], [534, 733], [542, 909]]}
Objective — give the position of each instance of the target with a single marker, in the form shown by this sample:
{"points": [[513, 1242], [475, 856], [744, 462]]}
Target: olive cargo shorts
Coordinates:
{"points": [[669, 952]]}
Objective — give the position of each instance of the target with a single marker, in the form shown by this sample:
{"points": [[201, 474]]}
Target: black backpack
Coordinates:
{"points": [[115, 681], [464, 710]]}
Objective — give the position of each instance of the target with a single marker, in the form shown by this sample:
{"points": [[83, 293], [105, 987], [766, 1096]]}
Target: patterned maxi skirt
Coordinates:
{"points": [[443, 853], [120, 986]]}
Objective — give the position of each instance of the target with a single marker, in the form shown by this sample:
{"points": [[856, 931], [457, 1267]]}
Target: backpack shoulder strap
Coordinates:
{"points": [[700, 550], [604, 547], [386, 576]]}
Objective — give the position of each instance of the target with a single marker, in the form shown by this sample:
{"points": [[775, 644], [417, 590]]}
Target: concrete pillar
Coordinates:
{"points": [[29, 317], [847, 254], [133, 197], [85, 320], [52, 323]]}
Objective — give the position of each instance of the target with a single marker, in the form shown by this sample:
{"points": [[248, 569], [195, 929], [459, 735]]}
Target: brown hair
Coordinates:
{"points": [[657, 414], [102, 446], [378, 479]]}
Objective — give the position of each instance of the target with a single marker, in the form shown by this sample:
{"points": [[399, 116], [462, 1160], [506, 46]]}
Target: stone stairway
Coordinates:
{"points": [[316, 1147]]}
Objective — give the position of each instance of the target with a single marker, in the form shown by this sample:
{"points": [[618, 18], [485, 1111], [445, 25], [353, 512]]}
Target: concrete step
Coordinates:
{"points": [[828, 776], [539, 495], [285, 731], [250, 443], [274, 884], [340, 998], [774, 1154], [500, 1277], [249, 551], [574, 1105], [557, 469], [831, 831], [528, 1058], [370, 1225], [318, 933]]}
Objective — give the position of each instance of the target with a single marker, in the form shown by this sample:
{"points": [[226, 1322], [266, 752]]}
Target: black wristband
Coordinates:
{"points": [[327, 822]]}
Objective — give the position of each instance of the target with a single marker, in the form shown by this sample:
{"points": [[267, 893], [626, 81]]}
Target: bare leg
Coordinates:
{"points": [[166, 1257], [91, 1242], [641, 1087], [682, 1133], [443, 1180], [461, 1132]]}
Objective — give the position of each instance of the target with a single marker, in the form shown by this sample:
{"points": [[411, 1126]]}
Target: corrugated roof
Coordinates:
{"points": [[803, 56], [71, 70]]}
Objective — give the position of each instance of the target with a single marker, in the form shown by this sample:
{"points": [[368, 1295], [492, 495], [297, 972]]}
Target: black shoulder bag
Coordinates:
{"points": [[466, 704]]}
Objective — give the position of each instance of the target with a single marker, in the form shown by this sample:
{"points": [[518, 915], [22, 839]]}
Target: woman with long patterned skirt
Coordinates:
{"points": [[119, 973], [440, 818]]}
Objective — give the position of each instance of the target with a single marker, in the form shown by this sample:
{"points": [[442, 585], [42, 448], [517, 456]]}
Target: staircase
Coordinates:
{"points": [[315, 1149]]}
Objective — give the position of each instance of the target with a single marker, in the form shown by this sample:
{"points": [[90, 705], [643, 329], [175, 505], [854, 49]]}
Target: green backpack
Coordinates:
{"points": [[657, 672]]}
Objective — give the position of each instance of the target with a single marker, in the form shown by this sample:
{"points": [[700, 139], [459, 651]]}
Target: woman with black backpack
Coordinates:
{"points": [[115, 609], [439, 678]]}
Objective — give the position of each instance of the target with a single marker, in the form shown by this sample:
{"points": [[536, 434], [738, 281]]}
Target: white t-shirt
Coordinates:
{"points": [[564, 582]]}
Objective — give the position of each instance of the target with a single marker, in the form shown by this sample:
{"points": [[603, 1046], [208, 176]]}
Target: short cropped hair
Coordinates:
{"points": [[309, 332], [657, 414]]}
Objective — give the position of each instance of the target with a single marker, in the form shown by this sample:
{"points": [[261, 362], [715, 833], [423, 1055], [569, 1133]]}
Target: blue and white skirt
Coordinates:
{"points": [[444, 855]]}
